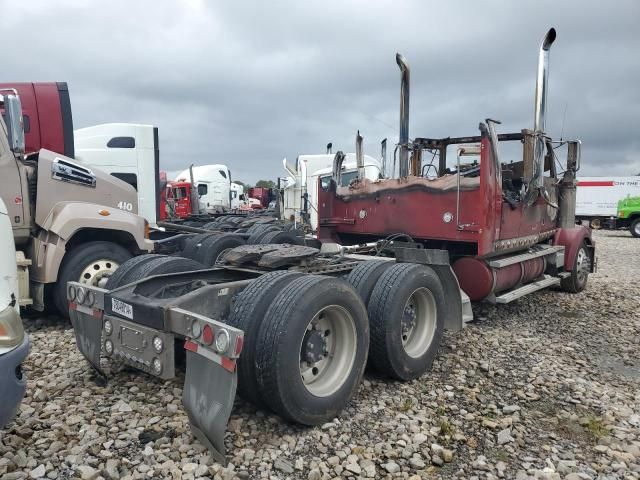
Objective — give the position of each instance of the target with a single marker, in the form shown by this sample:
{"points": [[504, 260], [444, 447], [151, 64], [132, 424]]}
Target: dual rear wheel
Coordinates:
{"points": [[308, 337]]}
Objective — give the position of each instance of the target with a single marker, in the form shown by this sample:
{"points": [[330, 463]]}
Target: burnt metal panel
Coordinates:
{"points": [[425, 256]]}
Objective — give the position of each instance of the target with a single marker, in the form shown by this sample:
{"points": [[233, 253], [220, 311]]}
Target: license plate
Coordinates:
{"points": [[122, 308], [132, 339]]}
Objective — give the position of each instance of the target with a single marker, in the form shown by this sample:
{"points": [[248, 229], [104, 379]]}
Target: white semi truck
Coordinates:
{"points": [[300, 194], [213, 183], [127, 151]]}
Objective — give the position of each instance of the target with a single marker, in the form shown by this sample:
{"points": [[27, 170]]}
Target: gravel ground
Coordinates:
{"points": [[546, 387]]}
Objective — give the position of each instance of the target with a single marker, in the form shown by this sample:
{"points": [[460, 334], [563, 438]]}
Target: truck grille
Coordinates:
{"points": [[70, 172]]}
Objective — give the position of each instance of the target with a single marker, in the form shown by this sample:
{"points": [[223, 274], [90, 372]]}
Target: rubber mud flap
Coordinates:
{"points": [[88, 331], [208, 394]]}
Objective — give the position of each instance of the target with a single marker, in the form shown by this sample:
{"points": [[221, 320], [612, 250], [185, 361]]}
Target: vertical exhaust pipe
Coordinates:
{"points": [[540, 111], [403, 139], [383, 157], [542, 81], [359, 156]]}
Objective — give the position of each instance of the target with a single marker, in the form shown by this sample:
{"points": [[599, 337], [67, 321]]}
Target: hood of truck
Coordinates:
{"points": [[62, 179]]}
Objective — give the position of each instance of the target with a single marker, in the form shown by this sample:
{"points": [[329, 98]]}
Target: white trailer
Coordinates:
{"points": [[303, 179], [213, 184], [597, 197], [129, 152]]}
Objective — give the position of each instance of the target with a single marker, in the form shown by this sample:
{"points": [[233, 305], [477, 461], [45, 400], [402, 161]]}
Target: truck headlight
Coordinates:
{"points": [[222, 340], [11, 330], [90, 298], [108, 347], [196, 329], [156, 364], [108, 327], [158, 344], [80, 295]]}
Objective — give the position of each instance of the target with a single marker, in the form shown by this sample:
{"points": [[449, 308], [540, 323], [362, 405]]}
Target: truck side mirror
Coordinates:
{"points": [[15, 127]]}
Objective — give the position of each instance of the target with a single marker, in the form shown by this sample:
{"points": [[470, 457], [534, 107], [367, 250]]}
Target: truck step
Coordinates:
{"points": [[535, 252], [545, 282]]}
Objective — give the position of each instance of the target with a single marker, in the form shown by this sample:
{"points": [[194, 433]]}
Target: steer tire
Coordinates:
{"points": [[246, 314], [575, 283], [280, 340], [193, 244], [214, 247], [634, 228], [76, 260], [279, 237], [387, 307], [121, 275], [365, 276]]}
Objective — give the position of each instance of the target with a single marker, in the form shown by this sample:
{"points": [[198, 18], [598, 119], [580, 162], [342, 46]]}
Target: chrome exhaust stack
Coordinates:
{"points": [[403, 140], [542, 81], [540, 112], [536, 186], [383, 157], [359, 156]]}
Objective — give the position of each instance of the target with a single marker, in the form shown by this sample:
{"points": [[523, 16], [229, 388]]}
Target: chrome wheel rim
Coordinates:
{"points": [[97, 270], [328, 351], [582, 265], [636, 228], [419, 320]]}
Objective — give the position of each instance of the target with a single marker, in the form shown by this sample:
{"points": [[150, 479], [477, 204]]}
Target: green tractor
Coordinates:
{"points": [[629, 215]]}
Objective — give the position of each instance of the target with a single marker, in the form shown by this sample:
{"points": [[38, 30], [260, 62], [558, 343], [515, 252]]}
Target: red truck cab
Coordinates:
{"points": [[176, 200], [48, 122]]}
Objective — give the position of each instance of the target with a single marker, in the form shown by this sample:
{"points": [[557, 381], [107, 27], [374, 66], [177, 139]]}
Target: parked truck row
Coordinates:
{"points": [[292, 325]]}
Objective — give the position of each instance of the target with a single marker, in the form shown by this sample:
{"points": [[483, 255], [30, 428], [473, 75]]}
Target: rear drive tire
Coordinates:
{"points": [[577, 281], [211, 226], [634, 228], [121, 275], [87, 263], [255, 237], [214, 248], [162, 265], [193, 244], [365, 276], [406, 311], [246, 314], [312, 349], [279, 237]]}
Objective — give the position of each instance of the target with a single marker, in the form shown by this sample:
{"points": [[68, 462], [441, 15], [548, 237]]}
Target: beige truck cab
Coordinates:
{"points": [[70, 222]]}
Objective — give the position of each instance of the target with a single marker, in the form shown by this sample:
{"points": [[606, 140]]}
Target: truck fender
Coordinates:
{"points": [[458, 309], [455, 315], [66, 219], [571, 238]]}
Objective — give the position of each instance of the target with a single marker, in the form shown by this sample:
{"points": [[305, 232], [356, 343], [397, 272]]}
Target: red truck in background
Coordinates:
{"points": [[47, 118], [261, 194], [175, 200]]}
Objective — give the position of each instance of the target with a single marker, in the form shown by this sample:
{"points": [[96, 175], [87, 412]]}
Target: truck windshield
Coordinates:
{"points": [[346, 179]]}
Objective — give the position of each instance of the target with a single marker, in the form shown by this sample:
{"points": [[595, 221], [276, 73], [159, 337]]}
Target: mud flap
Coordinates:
{"points": [[208, 394], [88, 332]]}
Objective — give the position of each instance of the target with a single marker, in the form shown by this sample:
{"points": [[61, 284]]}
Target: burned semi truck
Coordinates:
{"points": [[291, 327]]}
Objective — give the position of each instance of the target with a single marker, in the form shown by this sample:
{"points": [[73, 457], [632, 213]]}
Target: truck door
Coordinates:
{"points": [[11, 188]]}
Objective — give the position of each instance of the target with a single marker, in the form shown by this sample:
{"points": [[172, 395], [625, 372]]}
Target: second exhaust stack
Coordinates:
{"points": [[403, 140]]}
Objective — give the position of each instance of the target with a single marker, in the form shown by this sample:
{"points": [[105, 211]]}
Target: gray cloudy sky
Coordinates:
{"points": [[247, 83]]}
